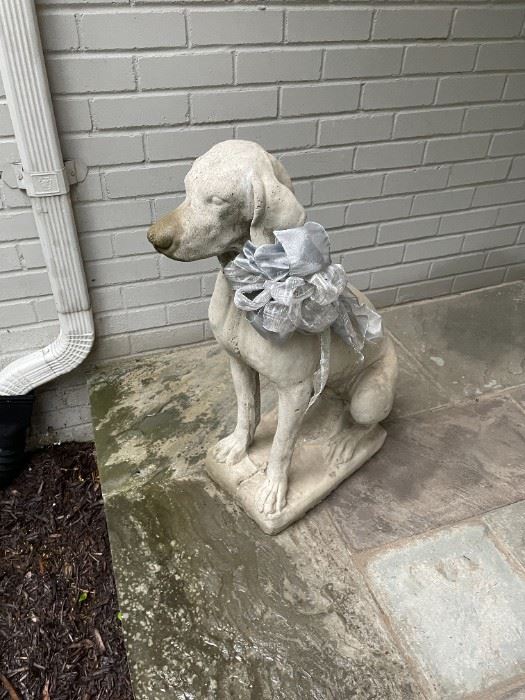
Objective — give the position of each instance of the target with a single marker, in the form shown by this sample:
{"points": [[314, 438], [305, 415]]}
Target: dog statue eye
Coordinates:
{"points": [[214, 199]]}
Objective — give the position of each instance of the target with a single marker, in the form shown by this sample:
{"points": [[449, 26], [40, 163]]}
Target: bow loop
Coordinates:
{"points": [[245, 303], [291, 290], [292, 285], [329, 284]]}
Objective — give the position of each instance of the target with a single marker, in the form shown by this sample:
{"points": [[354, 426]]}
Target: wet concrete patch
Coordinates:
{"points": [[470, 344], [459, 606], [159, 413], [213, 608], [435, 468]]}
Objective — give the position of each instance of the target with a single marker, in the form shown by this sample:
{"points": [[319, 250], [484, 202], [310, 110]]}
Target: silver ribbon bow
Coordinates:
{"points": [[292, 285]]}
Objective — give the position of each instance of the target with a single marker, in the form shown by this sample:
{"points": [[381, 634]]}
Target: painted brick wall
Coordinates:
{"points": [[401, 124]]}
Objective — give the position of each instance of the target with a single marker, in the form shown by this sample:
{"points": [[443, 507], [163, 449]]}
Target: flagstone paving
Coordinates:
{"points": [[408, 582], [215, 608], [459, 605], [438, 467]]}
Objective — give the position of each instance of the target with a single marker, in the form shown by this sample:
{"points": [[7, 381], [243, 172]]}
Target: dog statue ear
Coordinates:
{"points": [[275, 206], [257, 235]]}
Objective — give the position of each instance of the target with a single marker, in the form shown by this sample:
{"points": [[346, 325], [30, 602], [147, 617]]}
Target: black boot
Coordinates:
{"points": [[15, 417]]}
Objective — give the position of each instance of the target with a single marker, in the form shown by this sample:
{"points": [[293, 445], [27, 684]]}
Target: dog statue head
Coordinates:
{"points": [[235, 191]]}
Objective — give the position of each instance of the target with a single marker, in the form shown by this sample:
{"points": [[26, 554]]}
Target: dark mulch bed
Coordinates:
{"points": [[60, 634]]}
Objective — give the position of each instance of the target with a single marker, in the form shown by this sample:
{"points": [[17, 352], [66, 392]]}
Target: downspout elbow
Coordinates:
{"points": [[74, 342], [17, 381], [71, 347]]}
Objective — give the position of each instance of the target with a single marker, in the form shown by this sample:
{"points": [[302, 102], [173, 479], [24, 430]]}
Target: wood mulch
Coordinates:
{"points": [[60, 632]]}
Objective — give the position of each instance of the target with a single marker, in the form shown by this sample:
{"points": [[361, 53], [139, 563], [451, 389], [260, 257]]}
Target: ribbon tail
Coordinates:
{"points": [[321, 374]]}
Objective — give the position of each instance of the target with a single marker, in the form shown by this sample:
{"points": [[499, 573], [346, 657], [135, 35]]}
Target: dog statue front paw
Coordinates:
{"points": [[271, 498], [231, 449]]}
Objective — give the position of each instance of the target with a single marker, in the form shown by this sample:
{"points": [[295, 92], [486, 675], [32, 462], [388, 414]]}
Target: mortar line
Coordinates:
{"points": [[518, 404]]}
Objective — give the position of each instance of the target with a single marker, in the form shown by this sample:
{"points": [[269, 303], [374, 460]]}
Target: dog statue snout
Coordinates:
{"points": [[160, 234]]}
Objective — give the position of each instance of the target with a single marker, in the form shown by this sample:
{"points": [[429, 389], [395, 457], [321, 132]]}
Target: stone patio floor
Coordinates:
{"points": [[408, 582]]}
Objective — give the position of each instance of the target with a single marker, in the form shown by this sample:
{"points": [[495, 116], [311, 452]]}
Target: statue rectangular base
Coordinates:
{"points": [[316, 470]]}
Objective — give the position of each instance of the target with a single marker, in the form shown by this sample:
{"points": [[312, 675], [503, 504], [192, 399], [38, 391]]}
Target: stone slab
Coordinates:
{"points": [[459, 607], [313, 474], [160, 414], [470, 344], [435, 469], [508, 526], [149, 414], [214, 608]]}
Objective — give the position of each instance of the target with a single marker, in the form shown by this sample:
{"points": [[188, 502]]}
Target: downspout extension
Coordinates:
{"points": [[29, 99]]}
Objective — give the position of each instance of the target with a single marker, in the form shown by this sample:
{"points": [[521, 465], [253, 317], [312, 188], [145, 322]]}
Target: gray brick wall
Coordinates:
{"points": [[403, 125]]}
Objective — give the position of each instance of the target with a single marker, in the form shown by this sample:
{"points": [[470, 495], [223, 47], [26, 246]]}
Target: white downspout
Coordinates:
{"points": [[24, 75]]}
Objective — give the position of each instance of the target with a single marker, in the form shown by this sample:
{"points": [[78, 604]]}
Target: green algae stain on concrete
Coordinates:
{"points": [[159, 414], [213, 608]]}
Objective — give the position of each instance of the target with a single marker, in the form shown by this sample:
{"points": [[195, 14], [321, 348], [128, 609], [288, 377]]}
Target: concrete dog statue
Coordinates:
{"points": [[237, 192]]}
